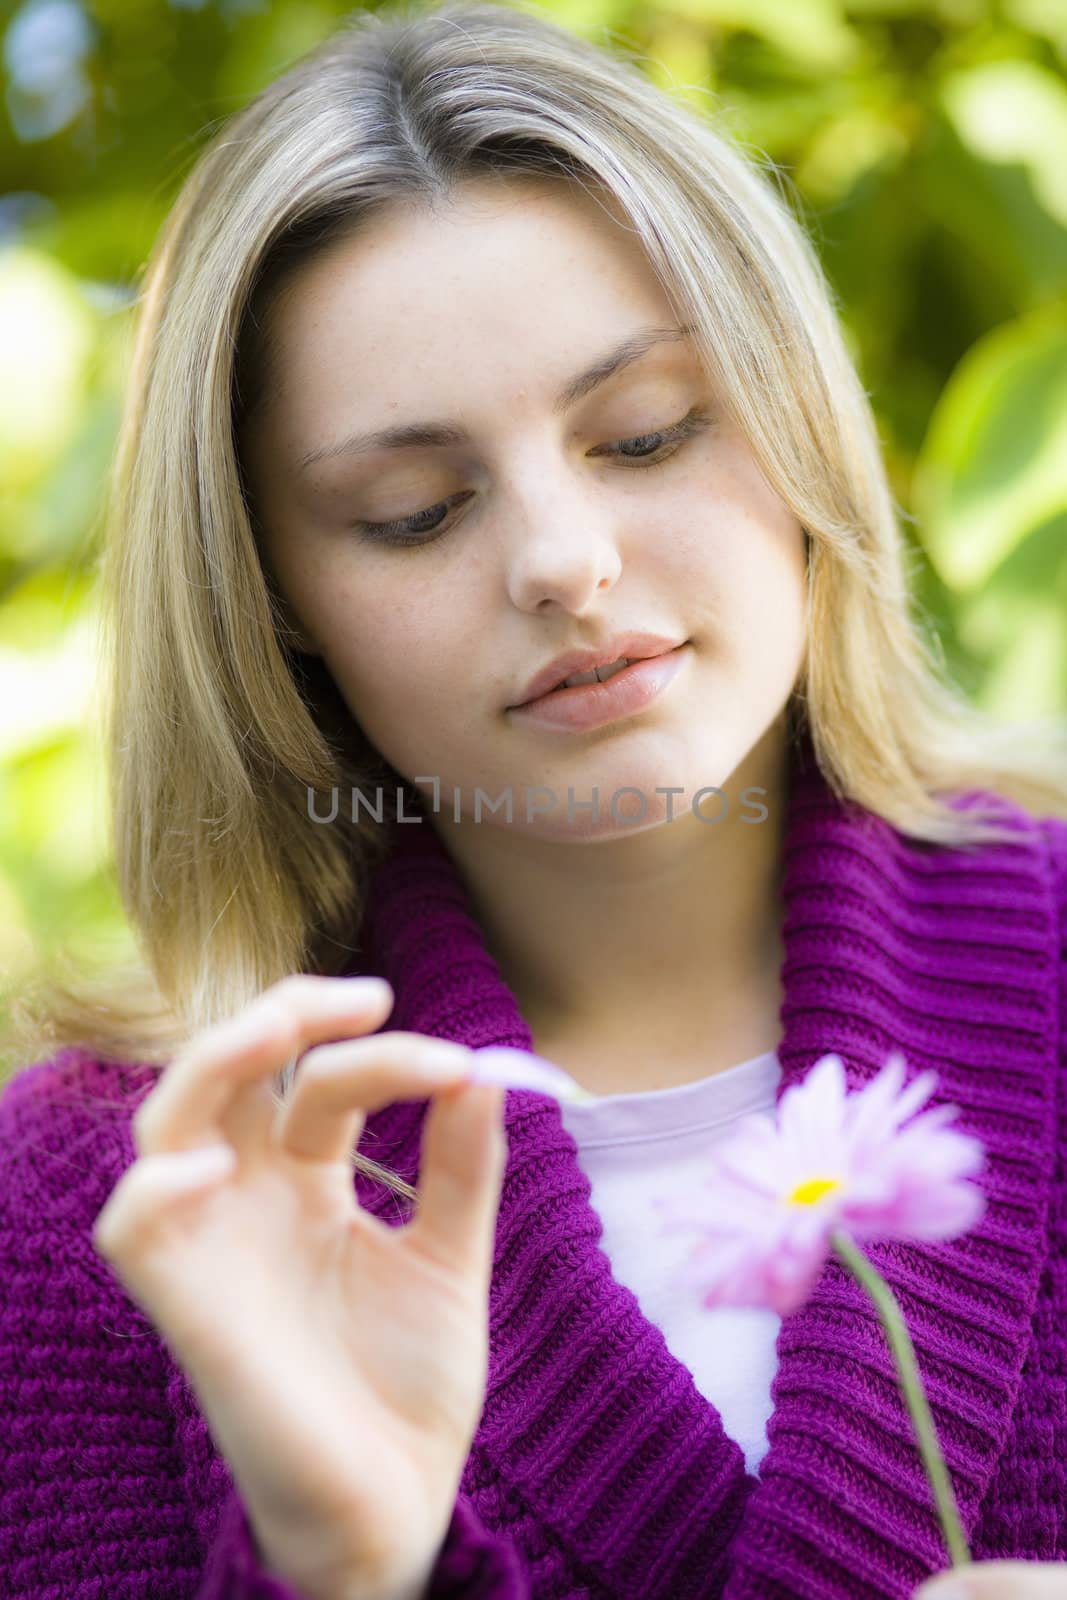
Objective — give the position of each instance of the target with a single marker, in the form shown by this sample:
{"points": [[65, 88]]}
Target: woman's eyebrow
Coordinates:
{"points": [[429, 434]]}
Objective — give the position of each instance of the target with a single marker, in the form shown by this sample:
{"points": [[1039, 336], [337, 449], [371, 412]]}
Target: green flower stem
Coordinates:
{"points": [[911, 1383]]}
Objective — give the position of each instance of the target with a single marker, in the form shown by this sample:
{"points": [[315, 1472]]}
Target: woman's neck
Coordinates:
{"points": [[644, 961], [662, 1050]]}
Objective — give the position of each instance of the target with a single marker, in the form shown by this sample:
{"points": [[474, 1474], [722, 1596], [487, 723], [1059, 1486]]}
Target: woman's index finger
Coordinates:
{"points": [[204, 1080]]}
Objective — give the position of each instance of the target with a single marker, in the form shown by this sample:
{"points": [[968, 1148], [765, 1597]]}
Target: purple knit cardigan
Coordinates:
{"points": [[598, 1470]]}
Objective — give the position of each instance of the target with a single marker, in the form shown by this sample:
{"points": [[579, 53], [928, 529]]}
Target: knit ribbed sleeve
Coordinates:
{"points": [[110, 1485], [1025, 1515]]}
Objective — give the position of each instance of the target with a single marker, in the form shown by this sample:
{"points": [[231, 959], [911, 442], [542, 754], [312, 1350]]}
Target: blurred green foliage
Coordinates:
{"points": [[924, 144]]}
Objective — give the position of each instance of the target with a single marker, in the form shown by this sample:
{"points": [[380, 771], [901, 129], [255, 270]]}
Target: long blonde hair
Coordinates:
{"points": [[216, 730]]}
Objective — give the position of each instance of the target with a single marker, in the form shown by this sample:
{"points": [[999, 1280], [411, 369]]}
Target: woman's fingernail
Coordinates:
{"points": [[448, 1059], [371, 987], [951, 1589]]}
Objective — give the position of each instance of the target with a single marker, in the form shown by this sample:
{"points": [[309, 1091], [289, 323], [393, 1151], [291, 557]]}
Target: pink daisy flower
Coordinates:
{"points": [[777, 1189]]}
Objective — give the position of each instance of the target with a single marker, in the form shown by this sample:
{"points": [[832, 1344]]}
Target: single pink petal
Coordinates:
{"points": [[878, 1108], [521, 1069], [719, 1207], [915, 1095], [870, 1108], [807, 1109], [921, 1210], [929, 1144], [791, 1282], [790, 1271], [736, 1274], [751, 1156]]}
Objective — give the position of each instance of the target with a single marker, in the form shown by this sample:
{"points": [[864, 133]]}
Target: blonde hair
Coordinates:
{"points": [[216, 729]]}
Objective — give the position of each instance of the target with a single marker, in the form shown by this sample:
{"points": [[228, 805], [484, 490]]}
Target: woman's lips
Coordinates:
{"points": [[592, 705]]}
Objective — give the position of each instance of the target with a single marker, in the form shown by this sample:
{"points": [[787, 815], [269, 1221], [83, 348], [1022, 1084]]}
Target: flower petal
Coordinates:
{"points": [[520, 1069], [869, 1112], [808, 1109]]}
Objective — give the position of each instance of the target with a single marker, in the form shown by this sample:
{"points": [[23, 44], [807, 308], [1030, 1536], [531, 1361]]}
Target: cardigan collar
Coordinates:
{"points": [[589, 1419]]}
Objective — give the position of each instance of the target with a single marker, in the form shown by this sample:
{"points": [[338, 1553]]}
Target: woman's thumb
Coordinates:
{"points": [[463, 1156]]}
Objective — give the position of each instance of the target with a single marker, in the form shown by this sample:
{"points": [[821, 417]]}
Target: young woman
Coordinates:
{"points": [[468, 362]]}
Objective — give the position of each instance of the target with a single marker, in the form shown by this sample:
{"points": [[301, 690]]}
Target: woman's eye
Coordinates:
{"points": [[645, 450]]}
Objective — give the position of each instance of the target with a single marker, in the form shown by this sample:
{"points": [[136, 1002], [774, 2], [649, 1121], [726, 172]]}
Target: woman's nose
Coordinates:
{"points": [[566, 556]]}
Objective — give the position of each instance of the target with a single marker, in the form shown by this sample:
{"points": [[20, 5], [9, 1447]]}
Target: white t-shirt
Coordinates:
{"points": [[632, 1146]]}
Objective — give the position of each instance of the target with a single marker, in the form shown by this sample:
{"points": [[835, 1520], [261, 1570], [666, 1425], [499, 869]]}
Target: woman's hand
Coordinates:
{"points": [[340, 1363], [998, 1580]]}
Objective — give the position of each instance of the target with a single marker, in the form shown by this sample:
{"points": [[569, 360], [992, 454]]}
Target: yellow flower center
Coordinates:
{"points": [[806, 1194]]}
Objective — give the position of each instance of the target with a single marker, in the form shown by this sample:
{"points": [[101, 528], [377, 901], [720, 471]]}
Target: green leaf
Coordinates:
{"points": [[993, 466]]}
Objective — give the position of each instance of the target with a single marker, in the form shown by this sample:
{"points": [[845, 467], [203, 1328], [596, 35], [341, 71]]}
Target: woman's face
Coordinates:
{"points": [[528, 532]]}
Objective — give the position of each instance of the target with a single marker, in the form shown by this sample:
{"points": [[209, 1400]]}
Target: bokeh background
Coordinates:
{"points": [[922, 142]]}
